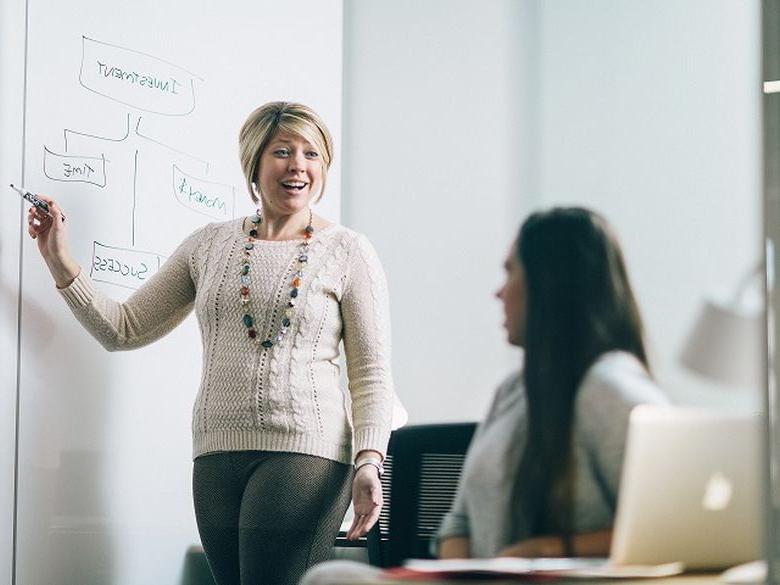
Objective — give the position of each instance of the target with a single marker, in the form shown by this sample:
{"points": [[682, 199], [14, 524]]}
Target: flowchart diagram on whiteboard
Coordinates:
{"points": [[149, 86]]}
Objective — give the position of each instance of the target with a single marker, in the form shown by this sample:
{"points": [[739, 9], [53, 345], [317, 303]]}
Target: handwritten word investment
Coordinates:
{"points": [[169, 85]]}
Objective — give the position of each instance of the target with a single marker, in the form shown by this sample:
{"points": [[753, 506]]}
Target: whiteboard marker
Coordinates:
{"points": [[34, 199]]}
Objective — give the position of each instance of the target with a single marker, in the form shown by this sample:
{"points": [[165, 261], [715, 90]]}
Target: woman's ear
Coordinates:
{"points": [[255, 193]]}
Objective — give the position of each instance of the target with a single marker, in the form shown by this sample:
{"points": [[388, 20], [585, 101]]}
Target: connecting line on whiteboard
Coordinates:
{"points": [[96, 137], [138, 133], [135, 184]]}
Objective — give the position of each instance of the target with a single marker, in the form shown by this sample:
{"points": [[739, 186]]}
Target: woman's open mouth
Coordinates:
{"points": [[294, 186]]}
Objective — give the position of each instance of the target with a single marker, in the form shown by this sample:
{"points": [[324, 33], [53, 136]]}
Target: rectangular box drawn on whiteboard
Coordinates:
{"points": [[215, 200], [122, 266], [136, 79], [74, 169]]}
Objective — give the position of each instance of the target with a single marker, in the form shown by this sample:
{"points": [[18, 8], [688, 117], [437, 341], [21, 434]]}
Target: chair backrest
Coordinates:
{"points": [[422, 470]]}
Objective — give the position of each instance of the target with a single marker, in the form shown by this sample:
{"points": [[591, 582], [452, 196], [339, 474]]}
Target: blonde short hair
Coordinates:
{"points": [[264, 123]]}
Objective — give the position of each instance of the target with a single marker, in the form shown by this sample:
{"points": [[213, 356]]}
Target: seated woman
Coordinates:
{"points": [[541, 475]]}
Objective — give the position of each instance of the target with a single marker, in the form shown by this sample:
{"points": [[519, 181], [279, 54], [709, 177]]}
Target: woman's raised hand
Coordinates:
{"points": [[50, 231]]}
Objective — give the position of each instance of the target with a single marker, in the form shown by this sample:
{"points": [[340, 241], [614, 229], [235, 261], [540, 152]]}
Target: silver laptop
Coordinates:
{"points": [[690, 489]]}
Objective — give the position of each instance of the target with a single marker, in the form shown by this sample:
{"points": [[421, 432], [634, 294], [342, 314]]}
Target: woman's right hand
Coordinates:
{"points": [[455, 547], [51, 234]]}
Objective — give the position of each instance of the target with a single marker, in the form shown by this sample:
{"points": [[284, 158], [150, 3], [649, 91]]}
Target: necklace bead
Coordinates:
{"points": [[302, 257]]}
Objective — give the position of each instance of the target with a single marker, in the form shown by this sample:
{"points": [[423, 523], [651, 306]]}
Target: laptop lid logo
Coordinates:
{"points": [[717, 493]]}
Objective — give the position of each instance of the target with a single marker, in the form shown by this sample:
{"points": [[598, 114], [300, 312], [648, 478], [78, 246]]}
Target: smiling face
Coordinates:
{"points": [[289, 175], [513, 295]]}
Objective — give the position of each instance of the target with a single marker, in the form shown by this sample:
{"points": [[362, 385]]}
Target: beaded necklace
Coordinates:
{"points": [[301, 259]]}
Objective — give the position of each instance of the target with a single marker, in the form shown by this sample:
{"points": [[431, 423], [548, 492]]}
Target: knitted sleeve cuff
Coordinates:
{"points": [[371, 438], [80, 292]]}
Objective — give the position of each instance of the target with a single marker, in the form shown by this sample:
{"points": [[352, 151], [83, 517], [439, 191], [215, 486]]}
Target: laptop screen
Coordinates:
{"points": [[690, 489]]}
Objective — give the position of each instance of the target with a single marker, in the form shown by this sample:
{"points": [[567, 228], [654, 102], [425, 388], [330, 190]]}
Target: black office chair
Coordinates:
{"points": [[422, 470]]}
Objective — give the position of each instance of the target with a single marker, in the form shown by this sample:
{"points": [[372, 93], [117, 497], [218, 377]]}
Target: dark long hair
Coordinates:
{"points": [[579, 306]]}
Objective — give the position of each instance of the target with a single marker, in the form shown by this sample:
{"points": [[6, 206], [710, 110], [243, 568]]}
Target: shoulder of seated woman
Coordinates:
{"points": [[619, 373], [508, 392], [617, 361]]}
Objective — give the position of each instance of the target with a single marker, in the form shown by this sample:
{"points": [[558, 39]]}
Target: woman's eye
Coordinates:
{"points": [[312, 154], [281, 152]]}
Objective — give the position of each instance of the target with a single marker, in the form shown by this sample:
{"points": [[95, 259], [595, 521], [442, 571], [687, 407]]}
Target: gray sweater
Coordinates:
{"points": [[482, 509]]}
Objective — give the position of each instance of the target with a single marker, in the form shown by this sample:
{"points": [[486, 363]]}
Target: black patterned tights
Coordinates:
{"points": [[265, 517]]}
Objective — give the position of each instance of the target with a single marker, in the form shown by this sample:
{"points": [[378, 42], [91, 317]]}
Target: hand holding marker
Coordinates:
{"points": [[44, 225], [34, 199]]}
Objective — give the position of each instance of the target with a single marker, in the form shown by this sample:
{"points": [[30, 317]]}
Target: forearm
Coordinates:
{"points": [[456, 547], [587, 544], [592, 544], [371, 390], [153, 310], [64, 269]]}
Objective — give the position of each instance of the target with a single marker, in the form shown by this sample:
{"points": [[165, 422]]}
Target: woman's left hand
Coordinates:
{"points": [[366, 501]]}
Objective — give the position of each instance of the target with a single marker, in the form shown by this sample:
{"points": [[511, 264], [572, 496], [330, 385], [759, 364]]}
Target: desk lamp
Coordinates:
{"points": [[725, 343]]}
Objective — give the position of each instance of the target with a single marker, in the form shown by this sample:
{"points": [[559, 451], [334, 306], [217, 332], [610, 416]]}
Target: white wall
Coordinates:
{"points": [[434, 112], [460, 117], [649, 112]]}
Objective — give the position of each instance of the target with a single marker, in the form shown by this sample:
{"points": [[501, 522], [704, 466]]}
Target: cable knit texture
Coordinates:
{"points": [[286, 398]]}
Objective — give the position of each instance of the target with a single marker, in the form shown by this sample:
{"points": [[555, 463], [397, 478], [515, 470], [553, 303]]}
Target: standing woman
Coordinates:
{"points": [[274, 293]]}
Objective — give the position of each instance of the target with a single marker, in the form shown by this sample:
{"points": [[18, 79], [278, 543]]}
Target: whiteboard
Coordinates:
{"points": [[132, 117]]}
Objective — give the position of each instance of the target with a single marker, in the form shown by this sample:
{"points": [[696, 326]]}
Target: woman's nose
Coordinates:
{"points": [[297, 162]]}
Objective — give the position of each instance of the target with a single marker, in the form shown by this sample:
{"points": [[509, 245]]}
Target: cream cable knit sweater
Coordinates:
{"points": [[286, 398]]}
